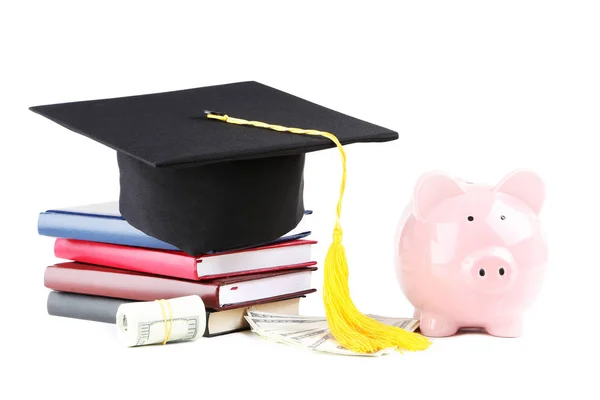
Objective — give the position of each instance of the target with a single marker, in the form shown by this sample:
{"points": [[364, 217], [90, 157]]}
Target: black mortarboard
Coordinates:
{"points": [[202, 185]]}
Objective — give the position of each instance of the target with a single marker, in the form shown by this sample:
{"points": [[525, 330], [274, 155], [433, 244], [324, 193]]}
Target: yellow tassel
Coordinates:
{"points": [[352, 329]]}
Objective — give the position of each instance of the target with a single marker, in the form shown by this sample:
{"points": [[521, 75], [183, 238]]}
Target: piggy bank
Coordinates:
{"points": [[471, 255]]}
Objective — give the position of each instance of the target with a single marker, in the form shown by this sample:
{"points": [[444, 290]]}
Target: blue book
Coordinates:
{"points": [[103, 223]]}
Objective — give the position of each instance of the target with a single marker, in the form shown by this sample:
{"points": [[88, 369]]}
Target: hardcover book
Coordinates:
{"points": [[286, 255], [217, 294], [104, 309], [103, 222]]}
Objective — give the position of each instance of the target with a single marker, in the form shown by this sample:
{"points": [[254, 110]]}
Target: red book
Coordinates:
{"points": [[217, 294], [177, 264]]}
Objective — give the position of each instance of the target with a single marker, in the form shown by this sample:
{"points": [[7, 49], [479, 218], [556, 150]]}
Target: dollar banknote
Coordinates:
{"points": [[313, 333], [154, 322]]}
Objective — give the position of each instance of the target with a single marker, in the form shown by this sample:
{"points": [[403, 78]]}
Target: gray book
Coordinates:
{"points": [[104, 309], [81, 306]]}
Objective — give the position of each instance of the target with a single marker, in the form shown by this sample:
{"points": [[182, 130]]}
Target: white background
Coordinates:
{"points": [[473, 88]]}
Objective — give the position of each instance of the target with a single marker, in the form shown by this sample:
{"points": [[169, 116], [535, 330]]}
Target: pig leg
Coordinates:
{"points": [[435, 325], [507, 328]]}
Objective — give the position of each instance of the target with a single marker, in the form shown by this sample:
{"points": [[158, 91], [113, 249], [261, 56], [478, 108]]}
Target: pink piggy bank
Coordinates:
{"points": [[472, 256]]}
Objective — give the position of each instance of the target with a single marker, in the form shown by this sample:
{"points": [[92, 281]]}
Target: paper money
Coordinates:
{"points": [[145, 323], [313, 332]]}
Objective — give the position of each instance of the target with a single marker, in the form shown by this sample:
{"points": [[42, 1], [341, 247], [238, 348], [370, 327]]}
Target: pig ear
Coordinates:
{"points": [[526, 186], [431, 189]]}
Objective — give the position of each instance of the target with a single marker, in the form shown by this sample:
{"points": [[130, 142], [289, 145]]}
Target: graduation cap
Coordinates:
{"points": [[221, 167]]}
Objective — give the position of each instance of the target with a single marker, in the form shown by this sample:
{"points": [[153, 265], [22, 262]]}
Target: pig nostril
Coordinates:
{"points": [[501, 271], [481, 272]]}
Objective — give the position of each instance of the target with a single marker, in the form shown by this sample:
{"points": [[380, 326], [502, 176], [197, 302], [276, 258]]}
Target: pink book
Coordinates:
{"points": [[288, 255], [217, 294]]}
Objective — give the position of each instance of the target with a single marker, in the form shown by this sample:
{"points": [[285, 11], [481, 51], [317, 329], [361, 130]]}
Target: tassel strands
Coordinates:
{"points": [[352, 329]]}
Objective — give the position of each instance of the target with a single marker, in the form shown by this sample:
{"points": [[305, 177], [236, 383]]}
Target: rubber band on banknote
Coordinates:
{"points": [[168, 323]]}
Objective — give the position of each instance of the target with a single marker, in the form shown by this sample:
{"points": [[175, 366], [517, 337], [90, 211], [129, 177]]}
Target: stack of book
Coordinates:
{"points": [[108, 262]]}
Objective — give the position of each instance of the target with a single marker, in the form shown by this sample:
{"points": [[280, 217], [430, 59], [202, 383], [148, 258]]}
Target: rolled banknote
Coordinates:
{"points": [[161, 321]]}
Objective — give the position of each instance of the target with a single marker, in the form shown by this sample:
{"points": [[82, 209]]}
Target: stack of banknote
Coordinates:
{"points": [[312, 332]]}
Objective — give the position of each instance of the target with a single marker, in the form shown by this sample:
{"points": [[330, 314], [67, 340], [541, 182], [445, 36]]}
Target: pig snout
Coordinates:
{"points": [[491, 272]]}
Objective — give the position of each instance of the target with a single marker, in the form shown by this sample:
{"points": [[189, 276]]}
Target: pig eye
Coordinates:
{"points": [[502, 217], [470, 218]]}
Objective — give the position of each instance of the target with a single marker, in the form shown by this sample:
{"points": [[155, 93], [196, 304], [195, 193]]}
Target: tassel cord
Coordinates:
{"points": [[352, 329]]}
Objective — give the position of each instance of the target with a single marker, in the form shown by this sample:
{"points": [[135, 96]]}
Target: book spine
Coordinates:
{"points": [[96, 229], [79, 306], [150, 261], [126, 285]]}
